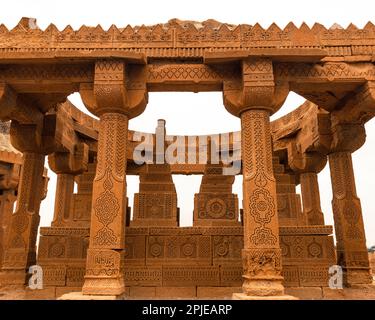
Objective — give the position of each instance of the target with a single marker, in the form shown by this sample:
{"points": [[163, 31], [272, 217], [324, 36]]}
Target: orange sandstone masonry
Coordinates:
{"points": [[94, 247]]}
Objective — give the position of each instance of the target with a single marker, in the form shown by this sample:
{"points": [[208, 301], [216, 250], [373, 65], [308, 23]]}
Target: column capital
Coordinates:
{"points": [[113, 91], [70, 163], [347, 122], [347, 137], [305, 162], [257, 89], [28, 137], [13, 107]]}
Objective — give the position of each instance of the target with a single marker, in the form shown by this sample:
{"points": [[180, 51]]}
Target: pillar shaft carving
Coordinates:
{"points": [[350, 234], [110, 98], [20, 248], [63, 198], [107, 233], [311, 198], [262, 254], [7, 200], [254, 101], [67, 165]]}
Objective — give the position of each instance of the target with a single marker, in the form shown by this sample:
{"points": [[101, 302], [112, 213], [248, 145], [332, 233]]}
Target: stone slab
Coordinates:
{"points": [[216, 292], [142, 292], [305, 293], [80, 296], [48, 293], [64, 290], [176, 292], [367, 292]]}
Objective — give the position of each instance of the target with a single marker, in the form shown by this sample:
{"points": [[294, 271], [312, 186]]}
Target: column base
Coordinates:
{"points": [[103, 286], [244, 296], [263, 287], [357, 277]]}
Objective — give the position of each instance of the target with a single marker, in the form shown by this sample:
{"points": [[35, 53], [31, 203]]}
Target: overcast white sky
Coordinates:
{"points": [[203, 113]]}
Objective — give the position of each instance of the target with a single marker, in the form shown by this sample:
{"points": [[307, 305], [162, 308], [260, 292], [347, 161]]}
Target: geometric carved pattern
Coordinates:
{"points": [[215, 204], [172, 258], [351, 244], [156, 203]]}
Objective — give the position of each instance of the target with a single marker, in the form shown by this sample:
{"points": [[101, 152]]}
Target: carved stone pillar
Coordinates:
{"points": [[347, 213], [63, 198], [62, 249], [7, 199], [254, 102], [307, 165], [20, 252], [114, 103], [67, 165], [311, 198], [262, 254], [348, 135], [107, 233]]}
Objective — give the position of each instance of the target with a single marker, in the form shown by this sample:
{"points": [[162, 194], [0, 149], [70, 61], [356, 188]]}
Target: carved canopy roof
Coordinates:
{"points": [[184, 39]]}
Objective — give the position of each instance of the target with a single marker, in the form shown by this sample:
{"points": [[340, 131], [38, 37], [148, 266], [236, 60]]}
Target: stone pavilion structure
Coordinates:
{"points": [[276, 247]]}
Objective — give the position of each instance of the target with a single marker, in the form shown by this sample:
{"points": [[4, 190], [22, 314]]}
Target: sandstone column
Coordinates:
{"points": [[111, 100], [347, 212], [20, 251], [7, 199], [258, 99], [107, 234], [26, 135], [311, 198], [63, 198], [10, 174], [261, 255], [67, 165], [307, 165]]}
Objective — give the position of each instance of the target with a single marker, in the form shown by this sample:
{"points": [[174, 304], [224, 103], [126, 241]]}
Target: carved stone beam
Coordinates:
{"points": [[358, 108], [325, 83], [59, 131], [72, 163], [12, 107], [254, 100], [308, 128], [115, 101]]}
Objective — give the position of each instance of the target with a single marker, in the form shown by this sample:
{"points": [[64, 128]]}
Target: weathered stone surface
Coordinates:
{"points": [[93, 244]]}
